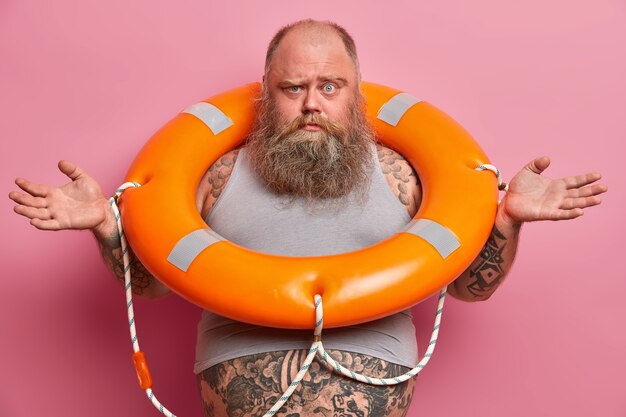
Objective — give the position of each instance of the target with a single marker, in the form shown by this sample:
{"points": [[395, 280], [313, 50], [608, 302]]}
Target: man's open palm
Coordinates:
{"points": [[532, 196], [78, 204]]}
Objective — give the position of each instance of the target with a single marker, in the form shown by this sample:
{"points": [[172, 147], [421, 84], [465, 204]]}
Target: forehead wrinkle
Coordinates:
{"points": [[302, 58]]}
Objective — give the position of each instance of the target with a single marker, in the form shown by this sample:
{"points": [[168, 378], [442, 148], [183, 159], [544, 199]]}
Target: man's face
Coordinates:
{"points": [[311, 138], [311, 72]]}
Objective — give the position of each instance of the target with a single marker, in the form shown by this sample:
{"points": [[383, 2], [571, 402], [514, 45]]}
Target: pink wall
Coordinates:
{"points": [[89, 81]]}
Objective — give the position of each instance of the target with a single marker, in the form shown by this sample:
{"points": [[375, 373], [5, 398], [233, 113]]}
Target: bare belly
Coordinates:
{"points": [[250, 385]]}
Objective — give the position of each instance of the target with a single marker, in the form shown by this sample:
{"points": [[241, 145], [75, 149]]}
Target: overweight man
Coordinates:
{"points": [[320, 184]]}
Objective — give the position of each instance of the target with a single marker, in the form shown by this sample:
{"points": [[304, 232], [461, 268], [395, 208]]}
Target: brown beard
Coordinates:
{"points": [[316, 165]]}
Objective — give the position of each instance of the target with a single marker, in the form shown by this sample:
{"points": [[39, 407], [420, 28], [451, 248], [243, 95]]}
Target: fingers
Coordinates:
{"points": [[37, 190], [595, 189], [581, 202], [32, 206], [578, 181], [28, 205], [45, 224], [41, 218], [32, 212], [28, 200], [538, 165], [71, 170], [586, 196], [568, 214]]}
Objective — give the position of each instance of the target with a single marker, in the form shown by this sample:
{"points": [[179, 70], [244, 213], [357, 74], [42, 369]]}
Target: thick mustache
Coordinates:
{"points": [[312, 118]]}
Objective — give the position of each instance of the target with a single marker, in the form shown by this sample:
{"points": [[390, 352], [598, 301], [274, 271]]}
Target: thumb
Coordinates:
{"points": [[538, 165], [72, 170]]}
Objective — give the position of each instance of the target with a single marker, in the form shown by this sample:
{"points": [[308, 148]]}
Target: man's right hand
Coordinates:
{"points": [[78, 204]]}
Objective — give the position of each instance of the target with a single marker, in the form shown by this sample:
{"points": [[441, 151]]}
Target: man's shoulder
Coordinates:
{"points": [[384, 153], [214, 181], [401, 177], [394, 164]]}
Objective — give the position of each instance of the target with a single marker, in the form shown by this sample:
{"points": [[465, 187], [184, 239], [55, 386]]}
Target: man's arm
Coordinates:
{"points": [[214, 182], [531, 197], [492, 264], [81, 205], [401, 178], [143, 283]]}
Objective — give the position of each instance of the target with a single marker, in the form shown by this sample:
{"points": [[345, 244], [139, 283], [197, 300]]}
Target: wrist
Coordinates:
{"points": [[504, 222], [108, 226]]}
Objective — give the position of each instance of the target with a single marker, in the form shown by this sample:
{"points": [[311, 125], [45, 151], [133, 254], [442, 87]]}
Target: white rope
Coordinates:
{"points": [[129, 300], [296, 382], [317, 348], [502, 186], [335, 366]]}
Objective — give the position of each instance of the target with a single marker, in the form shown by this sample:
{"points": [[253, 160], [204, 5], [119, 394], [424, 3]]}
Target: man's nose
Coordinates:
{"points": [[311, 102]]}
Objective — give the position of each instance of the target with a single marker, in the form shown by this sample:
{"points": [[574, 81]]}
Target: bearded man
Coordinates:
{"points": [[319, 184]]}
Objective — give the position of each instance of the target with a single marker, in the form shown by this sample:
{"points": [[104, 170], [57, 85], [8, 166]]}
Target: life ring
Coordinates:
{"points": [[173, 242]]}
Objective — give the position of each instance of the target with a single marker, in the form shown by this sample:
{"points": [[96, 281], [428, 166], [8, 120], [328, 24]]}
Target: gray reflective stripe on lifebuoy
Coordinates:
{"points": [[392, 111], [214, 118], [189, 247], [440, 237]]}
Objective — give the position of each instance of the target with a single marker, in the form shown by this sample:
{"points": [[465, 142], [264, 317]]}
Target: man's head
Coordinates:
{"points": [[311, 138]]}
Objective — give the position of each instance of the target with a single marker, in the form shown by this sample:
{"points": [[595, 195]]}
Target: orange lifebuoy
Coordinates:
{"points": [[171, 239]]}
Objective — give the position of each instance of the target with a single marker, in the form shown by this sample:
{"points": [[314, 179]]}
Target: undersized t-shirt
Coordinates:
{"points": [[250, 215]]}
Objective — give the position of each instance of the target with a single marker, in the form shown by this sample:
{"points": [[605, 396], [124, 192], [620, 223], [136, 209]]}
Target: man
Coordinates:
{"points": [[318, 185]]}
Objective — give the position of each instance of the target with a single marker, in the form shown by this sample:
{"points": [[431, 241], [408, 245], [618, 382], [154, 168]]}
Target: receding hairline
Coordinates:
{"points": [[323, 27]]}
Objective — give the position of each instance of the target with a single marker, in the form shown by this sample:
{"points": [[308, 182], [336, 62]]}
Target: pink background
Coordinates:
{"points": [[89, 81]]}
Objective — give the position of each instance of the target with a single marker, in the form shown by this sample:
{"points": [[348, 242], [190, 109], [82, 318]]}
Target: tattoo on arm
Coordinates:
{"points": [[217, 176], [111, 251], [401, 177], [488, 274]]}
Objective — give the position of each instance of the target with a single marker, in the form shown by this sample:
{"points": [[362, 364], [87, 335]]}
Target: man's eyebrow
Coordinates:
{"points": [[292, 81], [336, 79], [289, 82]]}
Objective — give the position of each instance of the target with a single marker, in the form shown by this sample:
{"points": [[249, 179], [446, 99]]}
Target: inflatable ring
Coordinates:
{"points": [[173, 242]]}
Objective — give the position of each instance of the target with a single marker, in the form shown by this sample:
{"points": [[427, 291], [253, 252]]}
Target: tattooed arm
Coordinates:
{"points": [[488, 270], [143, 283], [494, 261], [214, 182], [531, 197], [81, 205], [401, 178]]}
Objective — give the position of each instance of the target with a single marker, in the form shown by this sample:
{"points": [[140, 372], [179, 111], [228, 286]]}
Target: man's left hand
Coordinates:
{"points": [[533, 197]]}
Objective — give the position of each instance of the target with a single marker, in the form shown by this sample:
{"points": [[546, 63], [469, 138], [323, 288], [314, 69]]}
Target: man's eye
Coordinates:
{"points": [[294, 89], [329, 88]]}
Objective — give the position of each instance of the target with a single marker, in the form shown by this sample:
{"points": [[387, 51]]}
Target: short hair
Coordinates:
{"points": [[347, 40]]}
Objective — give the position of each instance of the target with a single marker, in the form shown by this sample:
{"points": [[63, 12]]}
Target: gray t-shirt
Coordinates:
{"points": [[250, 215]]}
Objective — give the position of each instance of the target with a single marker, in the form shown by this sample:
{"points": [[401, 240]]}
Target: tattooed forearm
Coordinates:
{"points": [[487, 273], [490, 267], [401, 177], [111, 252]]}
